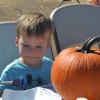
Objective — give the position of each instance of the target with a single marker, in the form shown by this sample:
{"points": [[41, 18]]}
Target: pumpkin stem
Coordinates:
{"points": [[89, 43]]}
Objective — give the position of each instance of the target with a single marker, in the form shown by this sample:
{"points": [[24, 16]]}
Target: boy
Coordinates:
{"points": [[32, 69]]}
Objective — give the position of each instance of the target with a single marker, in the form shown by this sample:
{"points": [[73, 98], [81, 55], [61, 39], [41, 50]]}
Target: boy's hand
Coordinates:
{"points": [[94, 2]]}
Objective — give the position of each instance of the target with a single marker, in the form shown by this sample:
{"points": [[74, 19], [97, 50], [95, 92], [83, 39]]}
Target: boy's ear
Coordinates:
{"points": [[16, 41]]}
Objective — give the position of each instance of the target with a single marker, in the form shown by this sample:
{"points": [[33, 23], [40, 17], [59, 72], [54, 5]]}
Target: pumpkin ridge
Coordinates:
{"points": [[71, 66], [63, 67]]}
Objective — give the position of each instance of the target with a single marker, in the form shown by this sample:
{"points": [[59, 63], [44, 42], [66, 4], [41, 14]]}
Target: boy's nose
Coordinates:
{"points": [[33, 51]]}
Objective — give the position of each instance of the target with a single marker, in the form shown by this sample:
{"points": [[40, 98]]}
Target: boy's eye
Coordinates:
{"points": [[25, 45], [39, 46]]}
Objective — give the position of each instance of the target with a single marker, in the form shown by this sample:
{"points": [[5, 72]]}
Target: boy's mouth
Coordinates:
{"points": [[31, 57]]}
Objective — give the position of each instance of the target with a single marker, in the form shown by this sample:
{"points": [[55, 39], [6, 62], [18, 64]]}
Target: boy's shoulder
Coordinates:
{"points": [[46, 60], [9, 66]]}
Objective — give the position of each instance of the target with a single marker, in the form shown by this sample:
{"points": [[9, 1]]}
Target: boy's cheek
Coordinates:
{"points": [[21, 51], [41, 53]]}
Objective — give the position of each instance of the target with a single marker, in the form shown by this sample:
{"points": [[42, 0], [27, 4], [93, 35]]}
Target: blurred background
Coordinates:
{"points": [[11, 10]]}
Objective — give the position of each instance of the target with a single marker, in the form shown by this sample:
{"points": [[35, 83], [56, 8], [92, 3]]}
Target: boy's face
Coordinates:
{"points": [[32, 49]]}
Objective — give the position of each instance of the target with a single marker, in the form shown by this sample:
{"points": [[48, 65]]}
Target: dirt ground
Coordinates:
{"points": [[11, 10]]}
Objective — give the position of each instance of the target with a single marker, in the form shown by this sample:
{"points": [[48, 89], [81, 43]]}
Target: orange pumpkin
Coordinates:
{"points": [[76, 72]]}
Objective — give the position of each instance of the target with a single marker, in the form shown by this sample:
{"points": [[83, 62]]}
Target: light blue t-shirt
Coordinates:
{"points": [[39, 75]]}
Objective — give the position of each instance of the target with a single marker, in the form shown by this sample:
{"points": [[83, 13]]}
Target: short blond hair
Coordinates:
{"points": [[35, 24]]}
